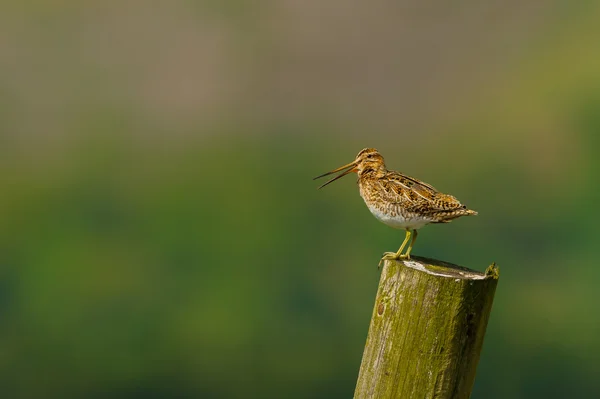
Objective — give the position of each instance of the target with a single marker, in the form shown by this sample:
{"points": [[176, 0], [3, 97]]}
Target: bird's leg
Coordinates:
{"points": [[410, 247], [396, 255]]}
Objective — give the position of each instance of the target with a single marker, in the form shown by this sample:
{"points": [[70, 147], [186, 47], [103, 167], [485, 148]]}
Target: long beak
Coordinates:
{"points": [[351, 168]]}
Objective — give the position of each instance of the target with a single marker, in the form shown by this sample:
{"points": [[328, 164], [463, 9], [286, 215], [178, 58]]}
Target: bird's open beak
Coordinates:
{"points": [[351, 168]]}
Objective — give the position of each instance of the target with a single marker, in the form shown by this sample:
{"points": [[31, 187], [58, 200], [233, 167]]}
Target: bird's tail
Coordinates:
{"points": [[449, 216]]}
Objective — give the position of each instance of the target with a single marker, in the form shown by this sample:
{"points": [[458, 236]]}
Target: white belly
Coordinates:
{"points": [[398, 221]]}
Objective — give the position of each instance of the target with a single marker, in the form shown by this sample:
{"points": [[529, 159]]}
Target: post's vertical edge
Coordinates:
{"points": [[365, 372], [488, 290]]}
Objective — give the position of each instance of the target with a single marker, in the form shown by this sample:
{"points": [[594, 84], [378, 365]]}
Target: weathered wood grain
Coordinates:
{"points": [[426, 331]]}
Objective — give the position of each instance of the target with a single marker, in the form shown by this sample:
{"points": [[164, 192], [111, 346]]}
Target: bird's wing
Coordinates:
{"points": [[416, 195]]}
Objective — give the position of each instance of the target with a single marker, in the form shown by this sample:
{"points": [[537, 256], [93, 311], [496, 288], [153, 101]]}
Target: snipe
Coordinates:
{"points": [[398, 200]]}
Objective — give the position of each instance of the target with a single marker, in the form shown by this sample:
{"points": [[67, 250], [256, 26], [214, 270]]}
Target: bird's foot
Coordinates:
{"points": [[392, 256]]}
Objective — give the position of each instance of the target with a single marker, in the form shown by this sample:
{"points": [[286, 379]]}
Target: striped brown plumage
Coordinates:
{"points": [[398, 200]]}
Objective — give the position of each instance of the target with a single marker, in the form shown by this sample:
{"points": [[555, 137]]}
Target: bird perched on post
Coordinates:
{"points": [[398, 200]]}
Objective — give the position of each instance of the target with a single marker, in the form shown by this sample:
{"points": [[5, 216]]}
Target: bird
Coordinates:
{"points": [[398, 200]]}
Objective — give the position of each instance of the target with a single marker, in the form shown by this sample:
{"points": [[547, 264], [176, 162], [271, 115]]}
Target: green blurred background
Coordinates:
{"points": [[160, 235]]}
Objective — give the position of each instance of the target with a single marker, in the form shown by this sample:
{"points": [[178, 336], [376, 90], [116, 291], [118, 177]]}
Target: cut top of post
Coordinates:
{"points": [[444, 269]]}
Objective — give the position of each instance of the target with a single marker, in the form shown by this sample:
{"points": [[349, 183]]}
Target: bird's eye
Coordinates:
{"points": [[370, 156]]}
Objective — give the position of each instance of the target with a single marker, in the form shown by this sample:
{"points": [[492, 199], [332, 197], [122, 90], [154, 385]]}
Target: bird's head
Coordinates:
{"points": [[368, 159]]}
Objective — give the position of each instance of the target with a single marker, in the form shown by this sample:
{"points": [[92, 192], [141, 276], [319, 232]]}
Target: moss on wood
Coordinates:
{"points": [[426, 331]]}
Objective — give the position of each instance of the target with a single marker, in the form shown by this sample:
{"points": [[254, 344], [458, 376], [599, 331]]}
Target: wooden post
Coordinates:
{"points": [[426, 331]]}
